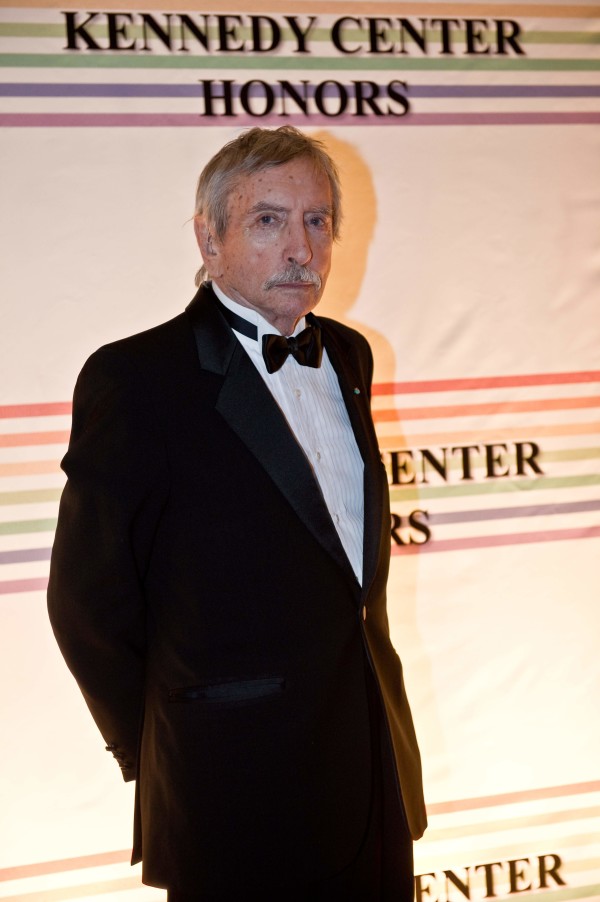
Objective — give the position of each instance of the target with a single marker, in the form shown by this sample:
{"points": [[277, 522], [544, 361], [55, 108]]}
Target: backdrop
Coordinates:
{"points": [[467, 136]]}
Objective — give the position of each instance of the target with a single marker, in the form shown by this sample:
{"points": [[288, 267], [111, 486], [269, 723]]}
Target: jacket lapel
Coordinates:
{"points": [[249, 409]]}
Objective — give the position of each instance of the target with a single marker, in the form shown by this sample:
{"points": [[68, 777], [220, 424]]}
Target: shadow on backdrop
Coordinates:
{"points": [[350, 258]]}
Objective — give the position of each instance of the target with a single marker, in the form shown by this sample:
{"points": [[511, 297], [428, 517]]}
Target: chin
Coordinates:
{"points": [[308, 296]]}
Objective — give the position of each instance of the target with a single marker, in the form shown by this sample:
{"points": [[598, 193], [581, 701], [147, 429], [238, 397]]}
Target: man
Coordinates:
{"points": [[218, 576]]}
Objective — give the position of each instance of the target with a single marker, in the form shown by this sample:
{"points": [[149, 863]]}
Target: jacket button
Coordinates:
{"points": [[364, 612]]}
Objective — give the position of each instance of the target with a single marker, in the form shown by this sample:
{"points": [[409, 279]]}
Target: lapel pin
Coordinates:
{"points": [[357, 391]]}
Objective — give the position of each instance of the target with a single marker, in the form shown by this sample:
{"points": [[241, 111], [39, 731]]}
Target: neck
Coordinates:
{"points": [[283, 322]]}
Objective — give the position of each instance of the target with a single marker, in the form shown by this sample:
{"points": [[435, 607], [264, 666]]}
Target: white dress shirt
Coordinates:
{"points": [[312, 403]]}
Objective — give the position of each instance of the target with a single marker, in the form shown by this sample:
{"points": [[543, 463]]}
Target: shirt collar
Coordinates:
{"points": [[253, 316]]}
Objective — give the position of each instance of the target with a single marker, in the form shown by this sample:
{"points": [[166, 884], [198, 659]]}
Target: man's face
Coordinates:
{"points": [[276, 254]]}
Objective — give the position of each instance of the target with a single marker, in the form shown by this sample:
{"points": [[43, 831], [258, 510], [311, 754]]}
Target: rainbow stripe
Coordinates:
{"points": [[557, 411], [564, 819], [554, 83]]}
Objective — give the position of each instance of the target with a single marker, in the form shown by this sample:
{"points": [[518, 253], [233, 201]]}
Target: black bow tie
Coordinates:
{"points": [[306, 348]]}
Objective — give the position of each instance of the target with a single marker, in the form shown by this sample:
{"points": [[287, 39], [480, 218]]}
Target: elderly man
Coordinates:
{"points": [[218, 577]]}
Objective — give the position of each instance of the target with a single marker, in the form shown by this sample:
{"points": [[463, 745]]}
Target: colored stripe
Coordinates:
{"points": [[553, 37], [62, 89], [30, 439], [340, 7], [51, 409], [516, 381], [571, 454], [136, 30], [100, 859], [477, 515], [504, 513], [29, 468], [263, 63], [25, 555], [193, 120], [32, 496], [490, 409], [26, 439], [517, 538], [493, 487], [62, 894], [386, 442], [11, 586], [541, 819], [16, 527], [127, 883], [417, 91], [481, 436]]}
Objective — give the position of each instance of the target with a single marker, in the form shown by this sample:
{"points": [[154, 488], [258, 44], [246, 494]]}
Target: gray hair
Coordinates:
{"points": [[250, 152]]}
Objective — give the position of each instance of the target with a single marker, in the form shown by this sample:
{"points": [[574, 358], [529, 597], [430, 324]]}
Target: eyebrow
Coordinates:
{"points": [[263, 206]]}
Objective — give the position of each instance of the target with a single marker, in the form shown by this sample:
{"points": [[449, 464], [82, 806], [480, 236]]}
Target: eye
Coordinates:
{"points": [[318, 221], [266, 219]]}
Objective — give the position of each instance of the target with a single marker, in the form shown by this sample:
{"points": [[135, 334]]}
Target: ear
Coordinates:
{"points": [[209, 246]]}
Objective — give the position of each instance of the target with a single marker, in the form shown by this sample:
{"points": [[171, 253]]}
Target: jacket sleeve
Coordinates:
{"points": [[109, 511]]}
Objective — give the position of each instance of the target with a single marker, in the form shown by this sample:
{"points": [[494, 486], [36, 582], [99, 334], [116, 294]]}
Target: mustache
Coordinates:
{"points": [[294, 273]]}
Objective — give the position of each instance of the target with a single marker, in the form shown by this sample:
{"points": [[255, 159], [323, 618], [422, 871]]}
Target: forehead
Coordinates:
{"points": [[297, 183]]}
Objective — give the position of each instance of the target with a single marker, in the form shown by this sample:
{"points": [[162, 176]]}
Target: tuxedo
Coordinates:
{"points": [[203, 600]]}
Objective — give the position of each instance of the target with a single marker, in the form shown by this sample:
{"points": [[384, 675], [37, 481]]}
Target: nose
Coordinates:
{"points": [[299, 248]]}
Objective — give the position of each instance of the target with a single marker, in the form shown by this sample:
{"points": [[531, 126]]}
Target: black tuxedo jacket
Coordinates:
{"points": [[202, 599]]}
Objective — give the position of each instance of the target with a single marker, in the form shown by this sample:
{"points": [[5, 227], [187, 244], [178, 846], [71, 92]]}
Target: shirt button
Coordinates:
{"points": [[364, 612], [318, 455], [337, 518], [298, 393]]}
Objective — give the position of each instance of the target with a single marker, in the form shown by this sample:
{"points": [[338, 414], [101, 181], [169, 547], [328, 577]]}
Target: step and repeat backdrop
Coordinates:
{"points": [[468, 139]]}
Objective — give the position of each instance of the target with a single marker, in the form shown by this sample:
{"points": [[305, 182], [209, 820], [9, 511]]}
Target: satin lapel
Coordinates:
{"points": [[354, 383], [249, 409]]}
